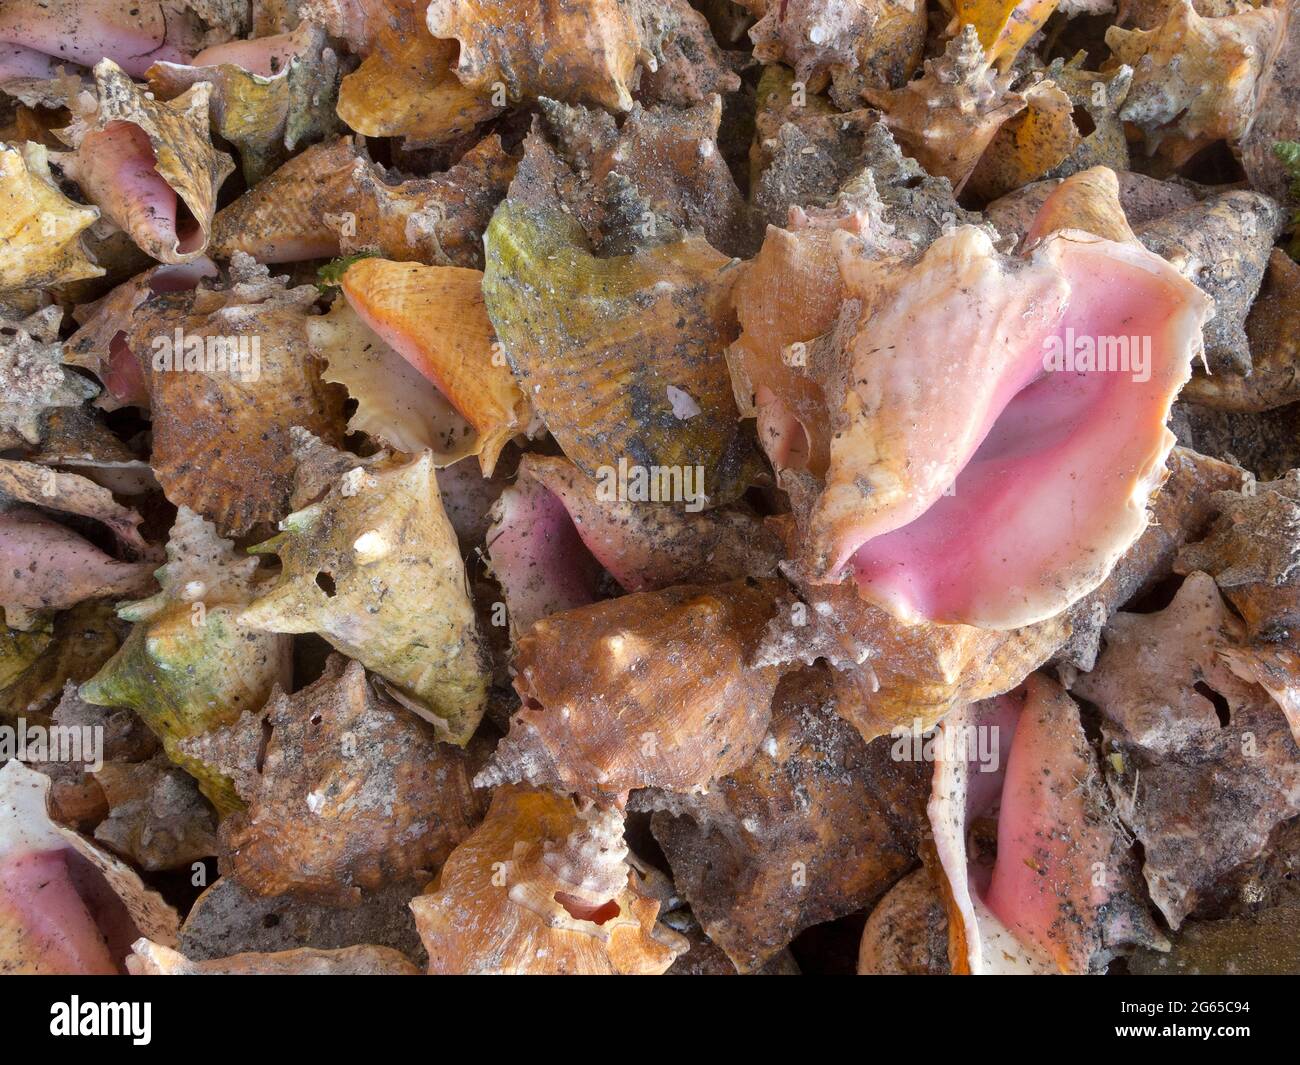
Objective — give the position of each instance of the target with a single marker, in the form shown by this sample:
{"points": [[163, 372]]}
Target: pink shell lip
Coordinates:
{"points": [[85, 31], [1081, 449]]}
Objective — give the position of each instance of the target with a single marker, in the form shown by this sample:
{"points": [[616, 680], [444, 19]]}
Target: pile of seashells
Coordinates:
{"points": [[649, 486]]}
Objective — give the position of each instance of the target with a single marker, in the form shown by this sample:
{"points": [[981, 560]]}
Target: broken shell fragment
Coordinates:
{"points": [[138, 158], [66, 907], [543, 888], [33, 380], [434, 317], [189, 664], [649, 690], [346, 790], [403, 612]]}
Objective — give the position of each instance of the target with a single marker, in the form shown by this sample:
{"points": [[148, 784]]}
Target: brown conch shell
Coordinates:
{"points": [[331, 199], [907, 932], [543, 888], [1196, 80], [434, 317], [1277, 114], [40, 228], [189, 665], [70, 493], [66, 907], [622, 357], [589, 53], [946, 118], [1253, 554], [346, 790], [815, 827], [1201, 762], [37, 667], [153, 959], [265, 116], [853, 45], [229, 373], [374, 568], [1087, 200], [650, 690], [135, 155], [667, 158]]}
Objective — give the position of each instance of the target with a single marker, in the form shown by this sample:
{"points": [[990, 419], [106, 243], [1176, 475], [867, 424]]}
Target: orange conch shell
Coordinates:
{"points": [[434, 317], [542, 888], [947, 118], [153, 959]]}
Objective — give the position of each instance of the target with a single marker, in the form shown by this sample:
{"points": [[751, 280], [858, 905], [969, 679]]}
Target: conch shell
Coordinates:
{"points": [[406, 87], [345, 791], [946, 118], [33, 381], [241, 376], [40, 228], [137, 157], [1204, 763], [901, 489], [1061, 895], [1196, 79], [1004, 26], [66, 907], [1030, 145], [650, 690], [434, 317], [816, 824], [189, 665], [589, 53], [621, 356], [267, 112], [396, 404], [543, 888], [374, 568], [1253, 554], [331, 199], [851, 45]]}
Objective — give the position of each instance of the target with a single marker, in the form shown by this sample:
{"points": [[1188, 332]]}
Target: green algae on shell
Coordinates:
{"points": [[189, 665], [622, 357]]}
